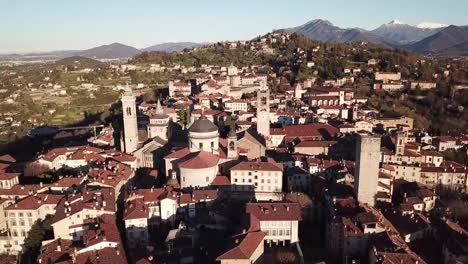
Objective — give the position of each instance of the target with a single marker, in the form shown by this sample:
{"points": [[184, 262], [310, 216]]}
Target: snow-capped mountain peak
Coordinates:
{"points": [[430, 25], [395, 22]]}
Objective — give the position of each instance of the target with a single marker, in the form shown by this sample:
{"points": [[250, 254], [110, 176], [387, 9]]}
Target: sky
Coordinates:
{"points": [[47, 25]]}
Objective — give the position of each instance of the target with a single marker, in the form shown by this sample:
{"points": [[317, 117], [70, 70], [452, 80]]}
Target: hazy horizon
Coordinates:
{"points": [[45, 26]]}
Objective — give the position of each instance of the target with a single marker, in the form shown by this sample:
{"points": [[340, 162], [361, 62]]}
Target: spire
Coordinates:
{"points": [[159, 108], [128, 91]]}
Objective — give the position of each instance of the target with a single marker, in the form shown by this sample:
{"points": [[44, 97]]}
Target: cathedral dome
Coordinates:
{"points": [[203, 125]]}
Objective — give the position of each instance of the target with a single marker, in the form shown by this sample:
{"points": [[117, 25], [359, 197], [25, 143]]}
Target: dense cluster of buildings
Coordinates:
{"points": [[226, 171]]}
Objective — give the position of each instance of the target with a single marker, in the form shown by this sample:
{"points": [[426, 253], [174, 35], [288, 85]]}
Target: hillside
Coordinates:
{"points": [[80, 62], [112, 51], [173, 46], [404, 33], [325, 31], [444, 40], [457, 50]]}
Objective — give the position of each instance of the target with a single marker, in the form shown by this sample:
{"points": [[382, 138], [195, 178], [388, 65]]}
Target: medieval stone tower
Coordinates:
{"points": [[400, 143], [232, 141], [263, 111], [130, 121], [366, 171]]}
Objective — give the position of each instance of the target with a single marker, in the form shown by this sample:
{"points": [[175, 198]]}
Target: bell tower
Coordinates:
{"points": [[232, 141], [263, 111], [130, 121]]}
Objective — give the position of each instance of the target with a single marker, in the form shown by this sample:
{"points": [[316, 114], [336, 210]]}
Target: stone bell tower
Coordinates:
{"points": [[232, 141], [263, 111], [130, 121]]}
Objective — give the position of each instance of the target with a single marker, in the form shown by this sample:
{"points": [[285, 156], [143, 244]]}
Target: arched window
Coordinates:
{"points": [[129, 111], [231, 145]]}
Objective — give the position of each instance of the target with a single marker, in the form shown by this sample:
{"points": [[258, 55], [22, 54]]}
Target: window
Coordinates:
{"points": [[129, 111], [231, 145], [212, 144], [20, 214], [207, 179], [29, 214], [200, 145]]}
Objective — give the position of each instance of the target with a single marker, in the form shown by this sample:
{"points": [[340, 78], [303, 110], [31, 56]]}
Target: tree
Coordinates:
{"points": [[39, 231], [35, 169], [184, 116], [284, 256]]}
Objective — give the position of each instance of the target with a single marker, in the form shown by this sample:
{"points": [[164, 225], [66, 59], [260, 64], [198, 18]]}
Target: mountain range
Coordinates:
{"points": [[426, 38], [104, 52]]}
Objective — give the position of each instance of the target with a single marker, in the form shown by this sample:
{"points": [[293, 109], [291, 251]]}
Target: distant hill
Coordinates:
{"points": [[404, 33], [111, 51], [80, 62], [173, 46], [325, 31], [449, 40], [454, 51]]}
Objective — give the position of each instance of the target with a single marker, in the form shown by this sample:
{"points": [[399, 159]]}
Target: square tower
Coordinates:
{"points": [[366, 171], [263, 111], [130, 121]]}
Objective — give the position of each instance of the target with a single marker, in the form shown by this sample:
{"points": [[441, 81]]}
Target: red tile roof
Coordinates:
{"points": [[221, 180], [244, 246], [202, 195], [33, 202], [135, 209], [200, 160], [315, 144], [101, 199], [258, 165], [275, 211]]}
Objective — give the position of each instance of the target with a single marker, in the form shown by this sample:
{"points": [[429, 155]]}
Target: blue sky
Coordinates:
{"points": [[44, 25]]}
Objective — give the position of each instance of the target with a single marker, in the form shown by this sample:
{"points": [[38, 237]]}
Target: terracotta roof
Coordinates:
{"points": [[8, 175], [100, 199], [315, 144], [105, 255], [258, 165], [177, 154], [244, 246], [135, 209], [33, 202], [148, 195], [275, 211], [7, 159], [200, 160], [307, 131], [221, 180], [200, 195]]}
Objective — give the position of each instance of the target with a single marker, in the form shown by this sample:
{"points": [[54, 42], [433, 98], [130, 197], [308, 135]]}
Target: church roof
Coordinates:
{"points": [[200, 160], [203, 125]]}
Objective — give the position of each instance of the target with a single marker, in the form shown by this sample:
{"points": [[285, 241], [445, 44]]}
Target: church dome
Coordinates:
{"points": [[203, 125]]}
